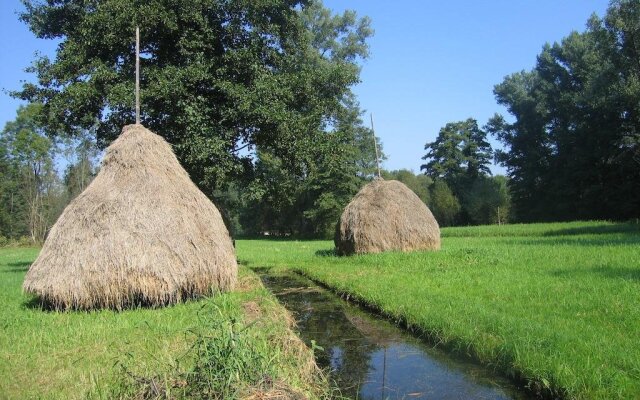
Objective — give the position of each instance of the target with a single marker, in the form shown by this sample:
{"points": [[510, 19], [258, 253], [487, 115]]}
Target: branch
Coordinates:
{"points": [[235, 149]]}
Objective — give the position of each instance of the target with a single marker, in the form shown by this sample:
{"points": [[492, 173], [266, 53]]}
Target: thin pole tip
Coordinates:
{"points": [[137, 75], [375, 144]]}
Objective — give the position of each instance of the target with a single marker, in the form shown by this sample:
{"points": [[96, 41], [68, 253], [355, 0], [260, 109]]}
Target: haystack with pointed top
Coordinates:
{"points": [[386, 216], [140, 234]]}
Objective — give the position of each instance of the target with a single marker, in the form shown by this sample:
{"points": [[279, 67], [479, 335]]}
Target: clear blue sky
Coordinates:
{"points": [[431, 62]]}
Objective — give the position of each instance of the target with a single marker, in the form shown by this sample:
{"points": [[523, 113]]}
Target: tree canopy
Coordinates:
{"points": [[254, 96], [219, 78], [458, 162], [573, 150], [29, 189], [460, 151]]}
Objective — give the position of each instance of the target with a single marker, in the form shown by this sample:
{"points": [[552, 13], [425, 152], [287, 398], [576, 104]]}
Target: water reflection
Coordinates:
{"points": [[370, 358]]}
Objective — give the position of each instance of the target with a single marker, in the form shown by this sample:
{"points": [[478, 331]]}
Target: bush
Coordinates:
{"points": [[23, 241]]}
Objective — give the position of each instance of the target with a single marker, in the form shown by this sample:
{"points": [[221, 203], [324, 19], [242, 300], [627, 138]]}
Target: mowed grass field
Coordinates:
{"points": [[232, 345], [557, 305]]}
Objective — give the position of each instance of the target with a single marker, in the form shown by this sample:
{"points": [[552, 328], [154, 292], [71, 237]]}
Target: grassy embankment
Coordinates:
{"points": [[557, 305], [233, 345]]}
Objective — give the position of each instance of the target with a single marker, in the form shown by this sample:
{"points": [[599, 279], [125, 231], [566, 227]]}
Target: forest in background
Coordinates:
{"points": [[256, 99]]}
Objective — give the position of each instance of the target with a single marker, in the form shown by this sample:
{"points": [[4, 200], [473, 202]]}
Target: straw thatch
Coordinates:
{"points": [[386, 216], [141, 234]]}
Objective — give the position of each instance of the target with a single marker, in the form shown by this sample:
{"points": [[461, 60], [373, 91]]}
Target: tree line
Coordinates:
{"points": [[32, 192], [572, 142], [572, 150], [256, 99], [463, 190]]}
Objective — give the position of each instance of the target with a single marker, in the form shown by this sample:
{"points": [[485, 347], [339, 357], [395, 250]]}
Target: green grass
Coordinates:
{"points": [[555, 304], [223, 347]]}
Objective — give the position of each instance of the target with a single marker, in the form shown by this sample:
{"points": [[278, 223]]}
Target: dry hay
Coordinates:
{"points": [[141, 234], [278, 390], [386, 216]]}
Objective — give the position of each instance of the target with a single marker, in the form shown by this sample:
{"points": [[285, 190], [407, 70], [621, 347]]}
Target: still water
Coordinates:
{"points": [[370, 358]]}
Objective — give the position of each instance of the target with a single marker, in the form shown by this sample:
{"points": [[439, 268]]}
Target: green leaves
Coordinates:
{"points": [[444, 204], [572, 148], [28, 191], [460, 150], [217, 76]]}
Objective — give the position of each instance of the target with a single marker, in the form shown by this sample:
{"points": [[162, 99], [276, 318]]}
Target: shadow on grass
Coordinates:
{"points": [[39, 303], [35, 303], [604, 271], [604, 240], [596, 230], [327, 253], [261, 270], [22, 266]]}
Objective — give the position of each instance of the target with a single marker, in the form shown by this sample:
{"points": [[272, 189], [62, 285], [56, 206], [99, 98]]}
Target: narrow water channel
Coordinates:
{"points": [[370, 358]]}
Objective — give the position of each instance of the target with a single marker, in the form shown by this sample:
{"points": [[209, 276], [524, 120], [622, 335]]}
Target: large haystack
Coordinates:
{"points": [[141, 234], [386, 216]]}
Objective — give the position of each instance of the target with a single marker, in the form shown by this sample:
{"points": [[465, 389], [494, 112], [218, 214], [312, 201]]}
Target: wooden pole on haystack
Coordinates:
{"points": [[375, 145], [137, 75]]}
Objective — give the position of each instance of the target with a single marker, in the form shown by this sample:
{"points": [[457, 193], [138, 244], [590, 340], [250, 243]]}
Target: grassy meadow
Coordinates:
{"points": [[232, 345], [557, 305]]}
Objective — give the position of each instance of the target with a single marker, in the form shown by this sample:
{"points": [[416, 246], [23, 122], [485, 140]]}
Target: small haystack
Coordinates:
{"points": [[141, 234], [386, 216]]}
